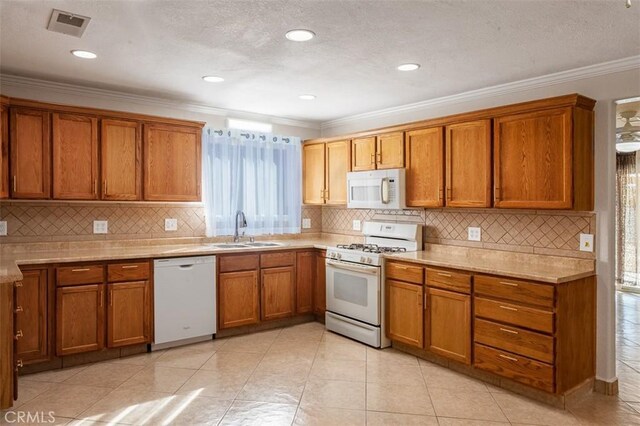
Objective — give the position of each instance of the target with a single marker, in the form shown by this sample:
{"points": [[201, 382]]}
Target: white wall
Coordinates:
{"points": [[603, 88], [94, 98]]}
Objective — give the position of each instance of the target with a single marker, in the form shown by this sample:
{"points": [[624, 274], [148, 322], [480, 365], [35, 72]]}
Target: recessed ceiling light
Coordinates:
{"points": [[300, 35], [408, 67], [84, 54], [307, 97], [212, 79]]}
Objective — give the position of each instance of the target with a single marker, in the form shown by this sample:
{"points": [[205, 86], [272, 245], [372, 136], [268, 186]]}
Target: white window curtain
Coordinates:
{"points": [[257, 173]]}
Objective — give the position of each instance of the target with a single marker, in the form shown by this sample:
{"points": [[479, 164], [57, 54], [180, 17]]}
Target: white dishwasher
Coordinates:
{"points": [[184, 300]]}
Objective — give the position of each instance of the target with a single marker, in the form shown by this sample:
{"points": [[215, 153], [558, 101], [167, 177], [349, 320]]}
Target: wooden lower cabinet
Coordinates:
{"points": [[448, 324], [32, 316], [405, 307], [128, 313], [239, 299], [305, 281], [278, 292], [80, 314], [320, 285]]}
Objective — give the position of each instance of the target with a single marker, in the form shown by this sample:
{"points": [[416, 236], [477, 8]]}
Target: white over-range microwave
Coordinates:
{"points": [[376, 189]]}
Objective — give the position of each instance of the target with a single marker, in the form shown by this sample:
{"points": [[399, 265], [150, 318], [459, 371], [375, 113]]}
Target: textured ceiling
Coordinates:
{"points": [[162, 48]]}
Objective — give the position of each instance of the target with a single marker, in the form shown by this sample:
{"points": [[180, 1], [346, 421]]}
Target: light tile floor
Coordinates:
{"points": [[305, 375]]}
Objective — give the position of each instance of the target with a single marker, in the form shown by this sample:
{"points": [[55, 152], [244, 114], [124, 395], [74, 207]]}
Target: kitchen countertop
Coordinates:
{"points": [[527, 266]]}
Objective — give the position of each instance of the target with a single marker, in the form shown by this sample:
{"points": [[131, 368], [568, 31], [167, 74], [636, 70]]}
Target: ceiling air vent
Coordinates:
{"points": [[68, 23]]}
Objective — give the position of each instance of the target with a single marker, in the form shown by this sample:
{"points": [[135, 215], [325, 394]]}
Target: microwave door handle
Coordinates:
{"points": [[384, 190]]}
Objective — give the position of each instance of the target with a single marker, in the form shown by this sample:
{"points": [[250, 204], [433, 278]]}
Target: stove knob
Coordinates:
{"points": [[369, 260], [363, 259], [338, 256]]}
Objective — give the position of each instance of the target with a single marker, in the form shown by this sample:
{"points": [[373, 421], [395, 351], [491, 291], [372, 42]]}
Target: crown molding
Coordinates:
{"points": [[65, 88], [625, 64]]}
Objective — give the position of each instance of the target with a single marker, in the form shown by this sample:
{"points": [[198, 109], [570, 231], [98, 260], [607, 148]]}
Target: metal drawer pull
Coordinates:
{"points": [[129, 266], [19, 364], [510, 358], [442, 274], [19, 309], [506, 330], [508, 308], [508, 283], [81, 270], [18, 284], [19, 334]]}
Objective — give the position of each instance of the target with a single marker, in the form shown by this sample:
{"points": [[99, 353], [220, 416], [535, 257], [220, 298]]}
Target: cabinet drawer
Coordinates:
{"points": [[531, 318], [239, 263], [448, 280], [514, 339], [404, 272], [515, 290], [128, 271], [82, 274], [272, 260], [515, 367]]}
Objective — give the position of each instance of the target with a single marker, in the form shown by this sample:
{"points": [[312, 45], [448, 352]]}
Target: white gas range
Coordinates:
{"points": [[355, 279]]}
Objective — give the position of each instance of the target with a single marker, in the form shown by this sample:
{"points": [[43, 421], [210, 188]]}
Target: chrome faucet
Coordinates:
{"points": [[241, 222]]}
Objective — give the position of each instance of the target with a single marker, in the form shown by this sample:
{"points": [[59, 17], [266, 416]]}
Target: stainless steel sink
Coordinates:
{"points": [[259, 244], [229, 245]]}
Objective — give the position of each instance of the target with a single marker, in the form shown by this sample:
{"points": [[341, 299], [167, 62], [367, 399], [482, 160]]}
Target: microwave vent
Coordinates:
{"points": [[68, 23]]}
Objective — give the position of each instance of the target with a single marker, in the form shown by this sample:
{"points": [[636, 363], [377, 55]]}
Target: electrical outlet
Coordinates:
{"points": [[586, 242], [474, 234], [100, 226], [357, 225], [306, 223], [3, 228], [171, 224]]}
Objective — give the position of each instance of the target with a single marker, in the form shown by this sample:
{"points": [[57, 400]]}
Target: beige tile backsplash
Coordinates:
{"points": [[541, 232]]}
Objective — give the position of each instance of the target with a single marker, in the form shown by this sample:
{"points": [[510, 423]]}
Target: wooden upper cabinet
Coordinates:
{"points": [[172, 163], [75, 157], [121, 149], [424, 151], [448, 324], [338, 156], [278, 292], [390, 151], [30, 151], [32, 316], [4, 151], [363, 154], [533, 160], [405, 310], [468, 164], [313, 166]]}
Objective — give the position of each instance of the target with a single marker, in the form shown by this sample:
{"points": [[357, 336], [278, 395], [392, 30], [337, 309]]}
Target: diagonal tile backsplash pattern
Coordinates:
{"points": [[531, 231]]}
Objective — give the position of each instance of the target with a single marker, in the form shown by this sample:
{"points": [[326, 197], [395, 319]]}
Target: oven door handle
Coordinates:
{"points": [[362, 269], [384, 190]]}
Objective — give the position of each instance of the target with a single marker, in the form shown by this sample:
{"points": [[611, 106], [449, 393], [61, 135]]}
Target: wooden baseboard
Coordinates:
{"points": [[266, 325], [606, 388]]}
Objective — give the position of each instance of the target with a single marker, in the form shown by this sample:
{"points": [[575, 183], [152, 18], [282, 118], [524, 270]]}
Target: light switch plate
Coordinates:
{"points": [[3, 228], [100, 226], [474, 234], [171, 224], [586, 242], [306, 223], [357, 225]]}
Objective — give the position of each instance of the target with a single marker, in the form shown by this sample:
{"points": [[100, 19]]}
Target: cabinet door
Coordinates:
{"points": [[405, 313], [390, 151], [238, 299], [313, 165], [320, 285], [120, 162], [338, 165], [305, 281], [448, 324], [4, 152], [363, 154], [32, 316], [75, 157], [469, 164], [30, 150], [533, 160], [425, 167], [79, 319], [128, 313], [172, 163], [278, 292]]}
